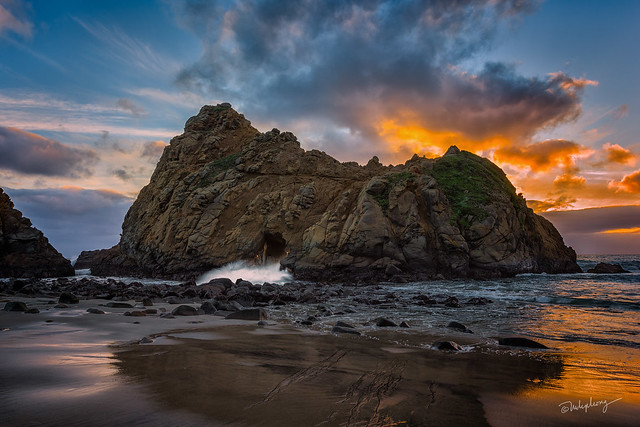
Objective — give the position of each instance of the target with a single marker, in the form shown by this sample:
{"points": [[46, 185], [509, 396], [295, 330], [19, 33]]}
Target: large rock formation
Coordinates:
{"points": [[24, 251], [224, 192]]}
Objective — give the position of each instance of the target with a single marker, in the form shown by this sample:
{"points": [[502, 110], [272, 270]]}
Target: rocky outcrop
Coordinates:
{"points": [[224, 192], [24, 251]]}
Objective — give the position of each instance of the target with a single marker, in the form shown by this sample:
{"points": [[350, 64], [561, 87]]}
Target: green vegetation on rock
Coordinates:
{"points": [[470, 182], [392, 179], [217, 166]]}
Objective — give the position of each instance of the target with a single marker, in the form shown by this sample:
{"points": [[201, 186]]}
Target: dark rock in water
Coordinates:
{"points": [[604, 268], [344, 330], [249, 314], [431, 215], [118, 305], [208, 307], [459, 327], [167, 316], [404, 324], [95, 311], [61, 306], [520, 342], [447, 345], [151, 311], [451, 302], [24, 250], [147, 302], [425, 300], [184, 310], [263, 323], [479, 301], [15, 306], [145, 340], [342, 324], [68, 298], [383, 322], [32, 311]]}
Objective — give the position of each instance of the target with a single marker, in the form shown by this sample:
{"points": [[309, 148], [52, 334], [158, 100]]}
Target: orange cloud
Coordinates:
{"points": [[414, 138], [629, 183], [541, 156], [562, 202], [617, 154], [568, 180], [634, 230]]}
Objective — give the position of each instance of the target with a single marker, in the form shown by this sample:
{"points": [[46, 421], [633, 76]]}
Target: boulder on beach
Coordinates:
{"points": [[224, 192], [24, 250], [185, 310], [15, 306], [447, 345]]}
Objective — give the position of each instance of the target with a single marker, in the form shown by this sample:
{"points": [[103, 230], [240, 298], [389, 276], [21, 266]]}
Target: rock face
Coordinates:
{"points": [[224, 192], [24, 251]]}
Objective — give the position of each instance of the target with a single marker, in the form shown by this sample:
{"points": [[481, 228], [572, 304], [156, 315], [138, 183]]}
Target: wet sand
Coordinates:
{"points": [[69, 367]]}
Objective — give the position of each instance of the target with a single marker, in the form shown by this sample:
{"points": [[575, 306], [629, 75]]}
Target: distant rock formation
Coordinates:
{"points": [[224, 192], [24, 251]]}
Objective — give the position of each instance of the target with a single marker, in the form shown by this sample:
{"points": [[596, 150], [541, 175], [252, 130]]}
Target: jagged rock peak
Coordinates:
{"points": [[452, 151], [24, 251], [224, 192]]}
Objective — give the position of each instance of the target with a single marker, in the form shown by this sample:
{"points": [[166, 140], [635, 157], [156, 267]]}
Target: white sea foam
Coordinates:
{"points": [[256, 274]]}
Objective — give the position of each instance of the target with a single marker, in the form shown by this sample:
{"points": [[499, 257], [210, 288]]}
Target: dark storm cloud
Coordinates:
{"points": [[355, 64], [28, 153], [74, 219]]}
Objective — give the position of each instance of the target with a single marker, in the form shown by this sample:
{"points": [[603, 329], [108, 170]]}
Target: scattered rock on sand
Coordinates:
{"points": [[249, 314], [447, 345], [93, 310], [342, 324], [15, 306], [404, 325], [68, 298], [119, 305], [520, 342], [208, 307], [459, 327], [343, 330], [383, 322], [32, 311], [184, 310]]}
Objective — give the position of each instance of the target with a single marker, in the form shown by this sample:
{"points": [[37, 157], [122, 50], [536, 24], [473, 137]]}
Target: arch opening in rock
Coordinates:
{"points": [[274, 249]]}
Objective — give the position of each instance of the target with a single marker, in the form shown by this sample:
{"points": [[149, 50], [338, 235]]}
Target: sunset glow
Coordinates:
{"points": [[89, 98]]}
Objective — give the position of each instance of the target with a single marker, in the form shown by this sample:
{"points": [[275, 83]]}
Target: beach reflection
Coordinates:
{"points": [[251, 379]]}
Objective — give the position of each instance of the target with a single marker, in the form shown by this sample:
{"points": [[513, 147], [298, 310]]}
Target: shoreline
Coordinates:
{"points": [[207, 370]]}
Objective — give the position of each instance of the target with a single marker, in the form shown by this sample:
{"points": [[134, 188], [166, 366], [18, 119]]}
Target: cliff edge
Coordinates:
{"points": [[24, 251], [223, 191]]}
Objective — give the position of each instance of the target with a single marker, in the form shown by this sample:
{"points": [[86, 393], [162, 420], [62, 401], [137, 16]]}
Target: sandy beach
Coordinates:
{"points": [[65, 366]]}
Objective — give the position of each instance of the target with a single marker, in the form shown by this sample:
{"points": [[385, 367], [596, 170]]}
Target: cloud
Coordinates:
{"points": [[388, 73], [74, 219], [13, 18], [621, 111], [153, 149], [37, 111], [617, 154], [130, 107], [568, 181], [629, 183], [29, 153], [560, 203], [541, 156], [607, 230], [129, 50], [122, 174]]}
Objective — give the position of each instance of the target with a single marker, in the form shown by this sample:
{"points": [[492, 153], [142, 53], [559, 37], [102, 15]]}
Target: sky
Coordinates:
{"points": [[91, 92]]}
